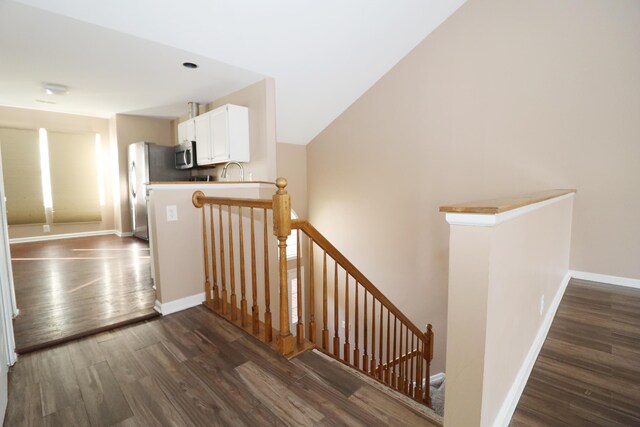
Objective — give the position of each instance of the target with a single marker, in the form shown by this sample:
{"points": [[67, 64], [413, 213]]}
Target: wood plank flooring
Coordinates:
{"points": [[70, 287], [191, 368], [588, 371]]}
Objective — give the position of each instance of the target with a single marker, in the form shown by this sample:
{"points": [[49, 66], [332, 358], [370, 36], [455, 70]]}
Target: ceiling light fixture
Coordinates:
{"points": [[54, 89], [189, 65]]}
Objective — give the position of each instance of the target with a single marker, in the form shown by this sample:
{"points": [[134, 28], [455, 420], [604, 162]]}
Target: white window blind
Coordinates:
{"points": [[74, 177], [22, 176]]}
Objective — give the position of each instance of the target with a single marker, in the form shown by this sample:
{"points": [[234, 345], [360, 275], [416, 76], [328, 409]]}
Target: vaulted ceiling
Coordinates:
{"points": [[125, 56]]}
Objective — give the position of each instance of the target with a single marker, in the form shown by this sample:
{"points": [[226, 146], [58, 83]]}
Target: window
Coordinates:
{"points": [[21, 165], [53, 173], [74, 177]]}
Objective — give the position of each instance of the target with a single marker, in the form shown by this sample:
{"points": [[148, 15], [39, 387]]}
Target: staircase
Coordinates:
{"points": [[257, 261]]}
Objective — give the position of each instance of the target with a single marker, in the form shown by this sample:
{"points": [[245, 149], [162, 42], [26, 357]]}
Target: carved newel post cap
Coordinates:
{"points": [[196, 199], [281, 183]]}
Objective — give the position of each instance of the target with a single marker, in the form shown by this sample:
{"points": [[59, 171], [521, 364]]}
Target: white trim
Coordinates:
{"points": [[490, 220], [604, 278], [204, 186], [61, 236], [8, 306], [179, 304], [123, 233], [513, 396]]}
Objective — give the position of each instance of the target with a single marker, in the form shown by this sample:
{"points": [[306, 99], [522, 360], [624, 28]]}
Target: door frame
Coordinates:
{"points": [[7, 290]]}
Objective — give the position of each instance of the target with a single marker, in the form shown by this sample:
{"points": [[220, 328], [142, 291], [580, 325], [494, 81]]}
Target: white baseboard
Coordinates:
{"points": [[124, 234], [513, 396], [604, 278], [61, 236], [179, 304]]}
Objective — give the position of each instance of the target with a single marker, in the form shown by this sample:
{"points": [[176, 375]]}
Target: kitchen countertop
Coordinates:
{"points": [[208, 182], [191, 185]]}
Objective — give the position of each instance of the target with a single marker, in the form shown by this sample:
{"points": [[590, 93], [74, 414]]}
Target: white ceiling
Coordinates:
{"points": [[124, 56]]}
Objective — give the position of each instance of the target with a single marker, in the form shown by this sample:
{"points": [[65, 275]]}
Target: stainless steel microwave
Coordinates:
{"points": [[185, 155]]}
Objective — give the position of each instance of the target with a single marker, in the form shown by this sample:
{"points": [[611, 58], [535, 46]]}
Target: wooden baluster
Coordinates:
{"points": [[282, 230], [312, 296], [216, 296], [336, 337], [387, 374], [381, 339], [356, 351], [268, 328], [207, 284], [400, 383], [411, 366], [325, 330], [300, 325], [232, 272], [243, 286], [419, 359], [373, 335], [405, 368], [347, 349], [365, 356], [429, 357], [401, 361], [223, 279], [255, 310], [394, 374]]}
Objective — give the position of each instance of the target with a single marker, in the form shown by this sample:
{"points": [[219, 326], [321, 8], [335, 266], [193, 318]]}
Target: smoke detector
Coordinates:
{"points": [[54, 89]]}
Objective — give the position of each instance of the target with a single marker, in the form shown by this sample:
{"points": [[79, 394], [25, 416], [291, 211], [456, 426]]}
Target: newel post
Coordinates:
{"points": [[429, 357], [282, 229]]}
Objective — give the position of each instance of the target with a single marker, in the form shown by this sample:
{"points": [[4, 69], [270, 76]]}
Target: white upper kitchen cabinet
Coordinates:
{"points": [[186, 131], [222, 135], [204, 153]]}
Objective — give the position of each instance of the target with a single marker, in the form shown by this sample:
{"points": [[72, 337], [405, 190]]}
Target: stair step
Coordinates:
{"points": [[400, 397]]}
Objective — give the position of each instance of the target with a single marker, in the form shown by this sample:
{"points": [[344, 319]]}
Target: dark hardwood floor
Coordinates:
{"points": [[191, 368], [588, 371], [71, 287]]}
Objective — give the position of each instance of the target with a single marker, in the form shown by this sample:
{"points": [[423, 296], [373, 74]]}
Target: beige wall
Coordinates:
{"points": [[292, 164], [503, 98], [260, 99], [498, 278], [33, 119], [130, 129]]}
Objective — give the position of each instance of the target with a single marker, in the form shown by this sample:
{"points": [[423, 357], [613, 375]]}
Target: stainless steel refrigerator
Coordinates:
{"points": [[148, 162]]}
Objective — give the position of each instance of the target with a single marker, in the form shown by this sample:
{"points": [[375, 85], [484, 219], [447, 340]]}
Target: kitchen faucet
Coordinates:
{"points": [[224, 170]]}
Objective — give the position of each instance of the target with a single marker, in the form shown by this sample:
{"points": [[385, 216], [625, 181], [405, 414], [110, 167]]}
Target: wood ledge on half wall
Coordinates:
{"points": [[496, 206]]}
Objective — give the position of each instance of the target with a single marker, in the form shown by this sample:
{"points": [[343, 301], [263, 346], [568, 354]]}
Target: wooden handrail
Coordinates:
{"points": [[320, 240], [199, 199]]}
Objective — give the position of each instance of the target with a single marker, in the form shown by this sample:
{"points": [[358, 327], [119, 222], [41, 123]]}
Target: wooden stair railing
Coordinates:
{"points": [[224, 221], [386, 344]]}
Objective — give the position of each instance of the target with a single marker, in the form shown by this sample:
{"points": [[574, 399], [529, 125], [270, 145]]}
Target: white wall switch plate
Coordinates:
{"points": [[172, 213]]}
